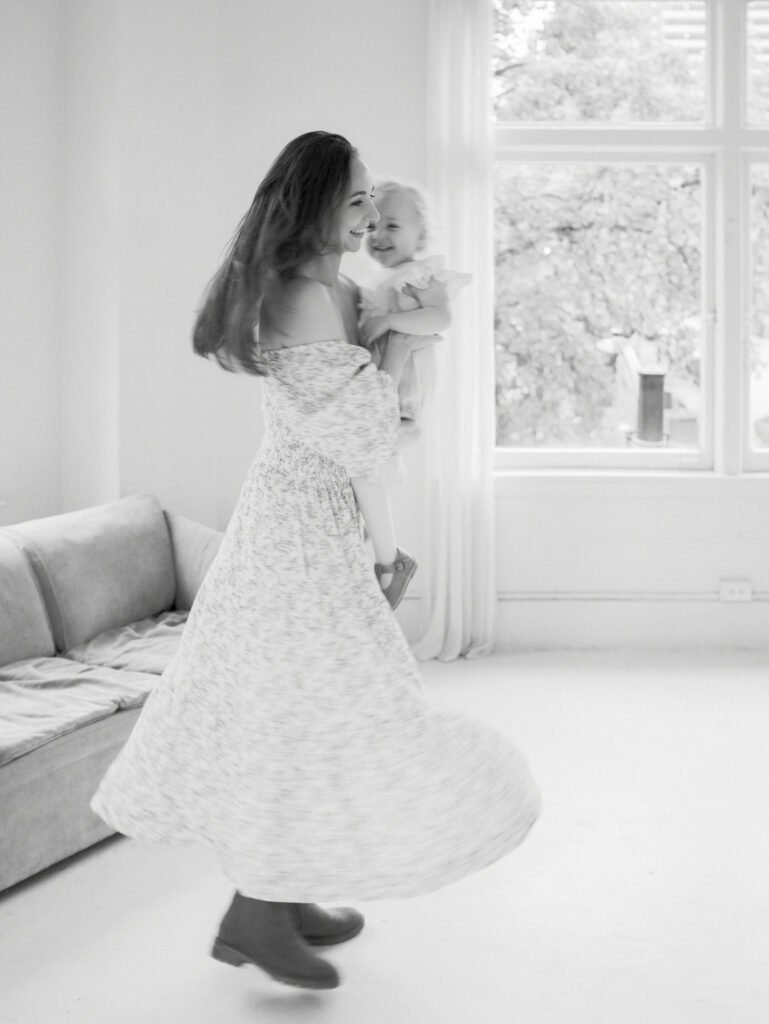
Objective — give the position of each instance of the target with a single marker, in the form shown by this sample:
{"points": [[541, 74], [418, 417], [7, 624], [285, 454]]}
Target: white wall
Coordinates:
{"points": [[88, 328], [590, 560], [139, 131], [209, 93], [29, 238]]}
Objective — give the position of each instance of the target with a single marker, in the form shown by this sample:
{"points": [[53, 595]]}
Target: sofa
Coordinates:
{"points": [[92, 607]]}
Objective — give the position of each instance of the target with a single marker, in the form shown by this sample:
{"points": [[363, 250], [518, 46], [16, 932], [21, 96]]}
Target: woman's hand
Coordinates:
{"points": [[373, 329]]}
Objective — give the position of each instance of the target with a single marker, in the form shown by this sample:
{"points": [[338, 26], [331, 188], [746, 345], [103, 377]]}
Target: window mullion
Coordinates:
{"points": [[728, 42]]}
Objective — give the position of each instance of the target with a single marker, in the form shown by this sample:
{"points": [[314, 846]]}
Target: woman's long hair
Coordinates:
{"points": [[287, 223]]}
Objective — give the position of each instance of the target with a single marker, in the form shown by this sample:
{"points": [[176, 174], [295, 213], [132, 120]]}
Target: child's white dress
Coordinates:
{"points": [[388, 295], [291, 731]]}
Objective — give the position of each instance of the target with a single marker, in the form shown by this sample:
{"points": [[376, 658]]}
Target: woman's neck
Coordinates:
{"points": [[321, 268]]}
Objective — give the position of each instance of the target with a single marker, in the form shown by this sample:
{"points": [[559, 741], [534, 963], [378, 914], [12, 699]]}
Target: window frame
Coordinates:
{"points": [[755, 459], [724, 146]]}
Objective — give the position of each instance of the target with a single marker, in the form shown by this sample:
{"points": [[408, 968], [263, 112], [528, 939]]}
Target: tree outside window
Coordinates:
{"points": [[600, 264]]}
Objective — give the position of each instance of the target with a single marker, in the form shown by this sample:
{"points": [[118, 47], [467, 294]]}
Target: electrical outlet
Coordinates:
{"points": [[735, 590]]}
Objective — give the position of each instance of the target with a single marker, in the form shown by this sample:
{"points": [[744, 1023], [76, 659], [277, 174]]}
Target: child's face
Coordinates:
{"points": [[399, 233]]}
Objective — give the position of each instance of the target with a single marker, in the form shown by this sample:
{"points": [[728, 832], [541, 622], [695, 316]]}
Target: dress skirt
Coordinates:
{"points": [[291, 732]]}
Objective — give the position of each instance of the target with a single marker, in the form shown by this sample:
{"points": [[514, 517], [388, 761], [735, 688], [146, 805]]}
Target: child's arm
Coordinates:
{"points": [[432, 317]]}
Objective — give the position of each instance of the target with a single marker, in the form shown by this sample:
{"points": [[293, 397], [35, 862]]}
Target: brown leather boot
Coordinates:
{"points": [[265, 934], [322, 927]]}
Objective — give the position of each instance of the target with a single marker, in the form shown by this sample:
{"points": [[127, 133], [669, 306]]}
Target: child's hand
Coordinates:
{"points": [[412, 342], [373, 329]]}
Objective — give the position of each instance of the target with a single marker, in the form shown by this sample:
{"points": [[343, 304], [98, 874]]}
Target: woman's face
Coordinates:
{"points": [[357, 213]]}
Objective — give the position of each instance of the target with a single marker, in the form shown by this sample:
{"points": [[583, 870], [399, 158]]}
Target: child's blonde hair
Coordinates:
{"points": [[393, 187]]}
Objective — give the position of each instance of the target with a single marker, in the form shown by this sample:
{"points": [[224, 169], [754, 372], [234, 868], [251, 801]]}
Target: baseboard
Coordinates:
{"points": [[669, 621]]}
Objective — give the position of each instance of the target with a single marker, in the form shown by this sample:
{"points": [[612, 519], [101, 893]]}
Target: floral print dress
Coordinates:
{"points": [[291, 731]]}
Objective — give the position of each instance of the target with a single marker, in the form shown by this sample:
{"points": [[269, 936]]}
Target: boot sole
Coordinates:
{"points": [[333, 940], [403, 588], [227, 954]]}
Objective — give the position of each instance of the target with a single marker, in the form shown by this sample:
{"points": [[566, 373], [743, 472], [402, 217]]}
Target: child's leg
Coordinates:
{"points": [[375, 508]]}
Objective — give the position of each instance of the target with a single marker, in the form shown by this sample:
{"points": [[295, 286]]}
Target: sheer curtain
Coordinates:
{"points": [[457, 555]]}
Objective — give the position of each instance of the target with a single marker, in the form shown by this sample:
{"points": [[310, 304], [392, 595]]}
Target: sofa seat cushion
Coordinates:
{"points": [[44, 698], [144, 646]]}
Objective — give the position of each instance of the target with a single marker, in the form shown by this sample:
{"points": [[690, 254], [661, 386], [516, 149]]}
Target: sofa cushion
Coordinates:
{"points": [[45, 798], [44, 698], [24, 628], [100, 567], [145, 646]]}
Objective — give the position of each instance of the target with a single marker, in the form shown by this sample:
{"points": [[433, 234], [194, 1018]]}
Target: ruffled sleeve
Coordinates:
{"points": [[388, 295], [421, 273], [333, 399]]}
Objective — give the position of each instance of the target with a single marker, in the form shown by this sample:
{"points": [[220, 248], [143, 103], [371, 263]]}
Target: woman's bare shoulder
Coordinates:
{"points": [[296, 312]]}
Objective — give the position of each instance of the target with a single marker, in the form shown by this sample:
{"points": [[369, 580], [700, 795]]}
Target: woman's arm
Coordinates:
{"points": [[432, 317]]}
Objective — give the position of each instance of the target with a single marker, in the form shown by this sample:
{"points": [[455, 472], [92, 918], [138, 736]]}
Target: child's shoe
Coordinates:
{"points": [[402, 569]]}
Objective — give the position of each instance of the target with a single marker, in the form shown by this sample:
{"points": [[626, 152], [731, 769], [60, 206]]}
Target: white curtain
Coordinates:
{"points": [[457, 577]]}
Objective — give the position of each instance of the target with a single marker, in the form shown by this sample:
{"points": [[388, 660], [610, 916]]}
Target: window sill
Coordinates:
{"points": [[645, 483]]}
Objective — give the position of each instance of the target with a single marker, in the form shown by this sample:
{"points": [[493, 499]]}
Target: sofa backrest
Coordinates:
{"points": [[194, 547], [101, 567], [25, 631]]}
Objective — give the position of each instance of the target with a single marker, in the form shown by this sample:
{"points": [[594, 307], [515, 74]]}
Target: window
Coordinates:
{"points": [[757, 39], [631, 187], [758, 357]]}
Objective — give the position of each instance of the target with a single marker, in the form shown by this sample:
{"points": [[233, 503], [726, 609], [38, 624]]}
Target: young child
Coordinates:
{"points": [[412, 297]]}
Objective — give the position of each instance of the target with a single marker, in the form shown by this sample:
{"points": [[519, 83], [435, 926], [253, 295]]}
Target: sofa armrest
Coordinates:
{"points": [[194, 547]]}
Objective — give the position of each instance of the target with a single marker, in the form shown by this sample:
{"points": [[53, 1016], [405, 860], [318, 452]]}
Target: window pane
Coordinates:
{"points": [[598, 302], [759, 319], [758, 62], [618, 61]]}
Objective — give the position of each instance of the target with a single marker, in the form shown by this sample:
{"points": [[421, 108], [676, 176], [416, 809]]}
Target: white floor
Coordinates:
{"points": [[641, 897]]}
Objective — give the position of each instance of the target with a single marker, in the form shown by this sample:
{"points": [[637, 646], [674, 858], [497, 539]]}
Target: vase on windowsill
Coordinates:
{"points": [[650, 431]]}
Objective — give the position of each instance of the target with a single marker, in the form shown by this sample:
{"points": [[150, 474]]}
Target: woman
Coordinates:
{"points": [[291, 732]]}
